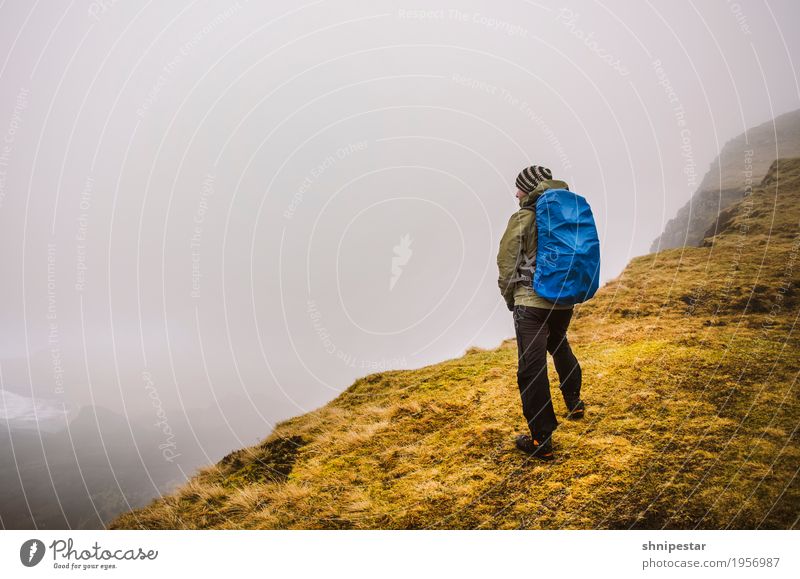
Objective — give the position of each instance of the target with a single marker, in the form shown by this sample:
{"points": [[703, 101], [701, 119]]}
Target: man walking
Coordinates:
{"points": [[540, 325]]}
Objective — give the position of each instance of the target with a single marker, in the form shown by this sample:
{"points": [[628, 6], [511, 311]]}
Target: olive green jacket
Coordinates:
{"points": [[518, 251]]}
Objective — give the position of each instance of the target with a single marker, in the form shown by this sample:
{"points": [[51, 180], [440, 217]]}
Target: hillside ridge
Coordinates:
{"points": [[743, 160]]}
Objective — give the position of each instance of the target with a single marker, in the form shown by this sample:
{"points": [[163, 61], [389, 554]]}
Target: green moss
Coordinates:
{"points": [[271, 462]]}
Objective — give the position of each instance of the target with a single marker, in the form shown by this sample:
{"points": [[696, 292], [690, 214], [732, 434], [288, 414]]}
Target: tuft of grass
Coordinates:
{"points": [[272, 461]]}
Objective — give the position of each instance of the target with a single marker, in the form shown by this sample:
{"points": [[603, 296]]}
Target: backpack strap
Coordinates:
{"points": [[525, 265]]}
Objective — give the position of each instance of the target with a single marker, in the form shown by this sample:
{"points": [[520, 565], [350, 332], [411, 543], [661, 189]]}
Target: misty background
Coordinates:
{"points": [[216, 215]]}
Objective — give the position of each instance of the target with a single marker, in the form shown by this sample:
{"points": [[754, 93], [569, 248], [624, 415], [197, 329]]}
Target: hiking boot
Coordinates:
{"points": [[575, 409], [539, 449]]}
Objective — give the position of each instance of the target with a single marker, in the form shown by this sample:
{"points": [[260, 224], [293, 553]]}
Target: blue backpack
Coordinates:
{"points": [[567, 265]]}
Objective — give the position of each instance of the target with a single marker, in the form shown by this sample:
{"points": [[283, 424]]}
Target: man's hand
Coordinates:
{"points": [[510, 306]]}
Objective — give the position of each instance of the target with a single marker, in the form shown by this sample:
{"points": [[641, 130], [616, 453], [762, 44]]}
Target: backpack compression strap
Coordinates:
{"points": [[526, 265]]}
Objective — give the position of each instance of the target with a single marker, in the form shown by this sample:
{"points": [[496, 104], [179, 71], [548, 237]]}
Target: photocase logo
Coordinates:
{"points": [[402, 253], [550, 255], [31, 552]]}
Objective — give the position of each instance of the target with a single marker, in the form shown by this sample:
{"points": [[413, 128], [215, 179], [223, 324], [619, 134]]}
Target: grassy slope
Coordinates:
{"points": [[690, 365]]}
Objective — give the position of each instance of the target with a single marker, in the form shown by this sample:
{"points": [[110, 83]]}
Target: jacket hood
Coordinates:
{"points": [[531, 197]]}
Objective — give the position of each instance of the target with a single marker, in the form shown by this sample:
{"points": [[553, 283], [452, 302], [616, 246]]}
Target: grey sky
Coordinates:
{"points": [[223, 185]]}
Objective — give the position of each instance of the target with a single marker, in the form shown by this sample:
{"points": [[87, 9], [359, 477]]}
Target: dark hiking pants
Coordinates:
{"points": [[540, 331]]}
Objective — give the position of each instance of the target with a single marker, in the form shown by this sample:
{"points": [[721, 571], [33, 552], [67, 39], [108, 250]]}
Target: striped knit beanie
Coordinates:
{"points": [[531, 176]]}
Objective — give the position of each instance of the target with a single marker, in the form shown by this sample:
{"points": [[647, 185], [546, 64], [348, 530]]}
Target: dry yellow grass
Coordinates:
{"points": [[690, 363]]}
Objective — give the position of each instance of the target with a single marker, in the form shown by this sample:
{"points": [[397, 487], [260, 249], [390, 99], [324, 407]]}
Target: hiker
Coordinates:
{"points": [[540, 325]]}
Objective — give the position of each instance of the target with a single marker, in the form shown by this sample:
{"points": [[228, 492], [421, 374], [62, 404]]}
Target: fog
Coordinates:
{"points": [[233, 209]]}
